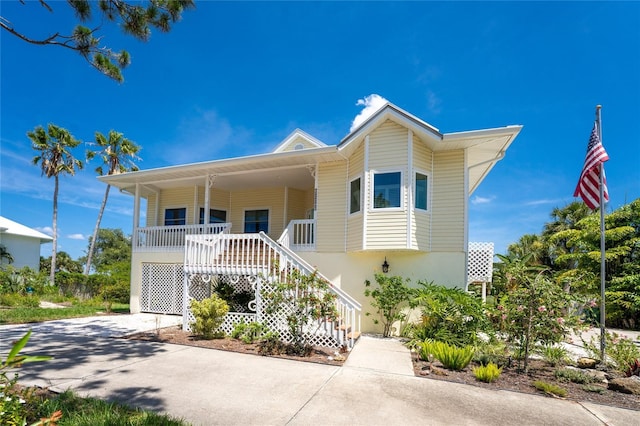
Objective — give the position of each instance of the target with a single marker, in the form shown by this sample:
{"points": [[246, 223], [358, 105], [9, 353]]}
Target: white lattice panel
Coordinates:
{"points": [[201, 286], [162, 288], [480, 262]]}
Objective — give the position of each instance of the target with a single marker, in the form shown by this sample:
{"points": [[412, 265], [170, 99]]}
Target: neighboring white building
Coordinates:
{"points": [[23, 243]]}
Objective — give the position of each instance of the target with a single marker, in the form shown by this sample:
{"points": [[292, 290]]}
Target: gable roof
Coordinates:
{"points": [[296, 137], [484, 147], [8, 226]]}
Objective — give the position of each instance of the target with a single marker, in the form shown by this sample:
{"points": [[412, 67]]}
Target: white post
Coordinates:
{"points": [[136, 215]]}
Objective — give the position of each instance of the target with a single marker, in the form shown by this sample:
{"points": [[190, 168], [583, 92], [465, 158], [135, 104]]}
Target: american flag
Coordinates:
{"points": [[589, 184]]}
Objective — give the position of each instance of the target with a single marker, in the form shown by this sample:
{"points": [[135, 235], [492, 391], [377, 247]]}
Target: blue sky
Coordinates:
{"points": [[235, 78]]}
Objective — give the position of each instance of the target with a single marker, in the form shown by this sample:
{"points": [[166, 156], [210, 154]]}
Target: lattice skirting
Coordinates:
{"points": [[202, 286], [162, 288]]}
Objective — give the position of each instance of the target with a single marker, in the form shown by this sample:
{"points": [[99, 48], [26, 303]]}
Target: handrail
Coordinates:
{"points": [[300, 234], [172, 237], [310, 270]]}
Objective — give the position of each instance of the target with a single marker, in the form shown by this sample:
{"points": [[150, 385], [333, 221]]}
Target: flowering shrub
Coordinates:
{"points": [[537, 312]]}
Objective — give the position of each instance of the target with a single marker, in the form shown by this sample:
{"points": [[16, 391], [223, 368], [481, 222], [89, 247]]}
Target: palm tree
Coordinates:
{"points": [[55, 159], [118, 155]]}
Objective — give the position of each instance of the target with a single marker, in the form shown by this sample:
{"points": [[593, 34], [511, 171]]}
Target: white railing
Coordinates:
{"points": [[172, 238], [300, 235], [259, 255]]}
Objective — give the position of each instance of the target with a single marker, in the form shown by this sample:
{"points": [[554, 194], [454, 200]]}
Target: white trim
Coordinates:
{"points": [[365, 189], [244, 215], [410, 181], [136, 215], [286, 205], [402, 189], [301, 134], [195, 203], [207, 197], [465, 204]]}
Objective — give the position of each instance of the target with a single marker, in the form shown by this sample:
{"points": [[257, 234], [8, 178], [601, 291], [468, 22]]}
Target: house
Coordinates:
{"points": [[395, 191], [22, 243]]}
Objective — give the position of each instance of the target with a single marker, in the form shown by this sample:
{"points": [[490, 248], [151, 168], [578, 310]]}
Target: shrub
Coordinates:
{"points": [[449, 315], [303, 301], [18, 300], [487, 373], [452, 357], [550, 389], [554, 355], [209, 315], [270, 344], [621, 350], [391, 296], [248, 333], [493, 351], [117, 292], [575, 376]]}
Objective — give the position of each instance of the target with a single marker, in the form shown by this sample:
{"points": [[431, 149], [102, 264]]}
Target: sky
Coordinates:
{"points": [[236, 78]]}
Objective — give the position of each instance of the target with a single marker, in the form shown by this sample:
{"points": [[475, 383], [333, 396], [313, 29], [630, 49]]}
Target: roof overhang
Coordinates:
{"points": [[290, 168]]}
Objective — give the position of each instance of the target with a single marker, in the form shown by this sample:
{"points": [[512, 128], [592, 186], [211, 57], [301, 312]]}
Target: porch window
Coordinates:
{"points": [[175, 216], [215, 216], [421, 191], [354, 196], [386, 190], [256, 221]]}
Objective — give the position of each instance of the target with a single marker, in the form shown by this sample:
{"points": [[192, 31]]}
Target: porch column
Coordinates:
{"points": [[136, 215], [207, 196]]}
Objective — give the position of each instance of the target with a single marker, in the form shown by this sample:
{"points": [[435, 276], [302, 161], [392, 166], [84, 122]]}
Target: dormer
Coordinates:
{"points": [[299, 140]]}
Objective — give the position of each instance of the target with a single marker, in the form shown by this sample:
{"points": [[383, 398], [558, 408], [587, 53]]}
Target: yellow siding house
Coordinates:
{"points": [[395, 189]]}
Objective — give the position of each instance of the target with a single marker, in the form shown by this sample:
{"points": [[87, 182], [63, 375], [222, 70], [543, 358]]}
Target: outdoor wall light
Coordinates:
{"points": [[385, 265]]}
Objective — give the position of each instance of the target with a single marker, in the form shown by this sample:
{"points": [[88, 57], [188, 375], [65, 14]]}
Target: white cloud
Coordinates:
{"points": [[543, 202], [482, 200], [371, 103], [45, 230], [434, 102], [76, 237]]}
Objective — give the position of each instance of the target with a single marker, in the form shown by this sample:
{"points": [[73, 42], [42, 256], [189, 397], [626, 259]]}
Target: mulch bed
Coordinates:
{"points": [[175, 335], [512, 380]]}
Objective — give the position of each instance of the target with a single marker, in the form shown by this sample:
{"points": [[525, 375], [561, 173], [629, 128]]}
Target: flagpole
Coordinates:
{"points": [[602, 245]]}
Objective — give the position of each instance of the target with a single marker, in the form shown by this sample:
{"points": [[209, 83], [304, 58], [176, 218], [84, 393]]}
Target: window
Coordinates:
{"points": [[354, 196], [298, 147], [421, 191], [256, 221], [215, 216], [175, 216], [386, 190]]}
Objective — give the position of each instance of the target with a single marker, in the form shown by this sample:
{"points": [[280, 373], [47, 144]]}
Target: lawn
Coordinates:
{"points": [[22, 315]]}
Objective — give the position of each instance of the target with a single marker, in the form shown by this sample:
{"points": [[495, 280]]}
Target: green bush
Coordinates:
{"points": [[449, 315], [452, 357], [270, 344], [493, 351], [248, 333], [550, 389], [209, 314], [621, 350], [391, 296], [117, 292], [575, 376], [16, 300], [554, 355], [487, 373]]}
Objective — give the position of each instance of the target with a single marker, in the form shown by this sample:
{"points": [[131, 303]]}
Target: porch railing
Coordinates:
{"points": [[172, 238], [300, 235], [259, 255]]}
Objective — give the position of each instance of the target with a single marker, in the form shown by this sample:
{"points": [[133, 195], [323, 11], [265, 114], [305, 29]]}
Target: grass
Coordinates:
{"points": [[78, 411], [22, 315], [550, 388]]}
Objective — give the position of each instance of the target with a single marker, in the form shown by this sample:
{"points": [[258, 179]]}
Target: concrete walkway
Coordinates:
{"points": [[376, 385]]}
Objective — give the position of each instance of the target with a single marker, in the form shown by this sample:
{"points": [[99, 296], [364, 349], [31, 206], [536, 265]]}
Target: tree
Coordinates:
{"points": [[55, 159], [64, 263], [118, 155], [112, 247], [135, 20]]}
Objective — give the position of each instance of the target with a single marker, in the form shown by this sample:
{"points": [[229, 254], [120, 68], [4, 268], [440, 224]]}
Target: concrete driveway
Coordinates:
{"points": [[205, 387]]}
